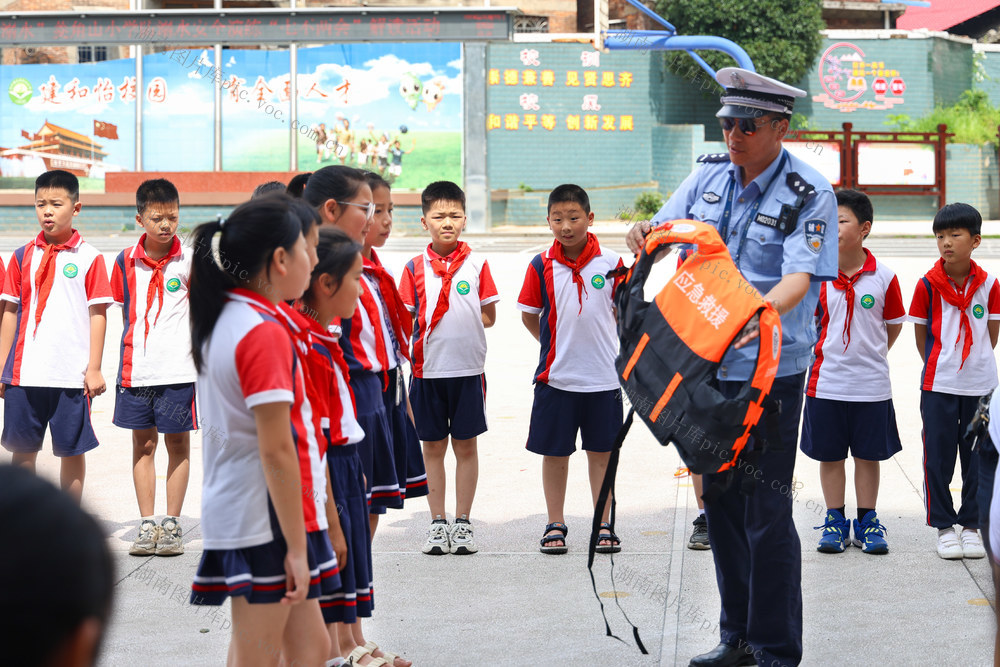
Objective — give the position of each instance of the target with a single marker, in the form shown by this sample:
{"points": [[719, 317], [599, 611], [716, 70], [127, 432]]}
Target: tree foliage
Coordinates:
{"points": [[780, 36], [973, 120]]}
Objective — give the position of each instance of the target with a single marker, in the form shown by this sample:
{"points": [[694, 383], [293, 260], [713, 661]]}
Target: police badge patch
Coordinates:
{"points": [[711, 197], [815, 230]]}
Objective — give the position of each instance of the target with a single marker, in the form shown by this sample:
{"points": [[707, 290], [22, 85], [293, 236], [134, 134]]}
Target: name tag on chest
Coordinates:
{"points": [[784, 223]]}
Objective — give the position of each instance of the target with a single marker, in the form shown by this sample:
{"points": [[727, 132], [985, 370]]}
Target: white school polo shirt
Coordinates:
{"points": [[456, 346], [942, 355], [858, 371], [164, 355], [57, 353], [579, 345], [249, 360]]}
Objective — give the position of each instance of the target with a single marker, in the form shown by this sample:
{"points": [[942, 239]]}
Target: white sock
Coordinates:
{"points": [[701, 512], [148, 518]]}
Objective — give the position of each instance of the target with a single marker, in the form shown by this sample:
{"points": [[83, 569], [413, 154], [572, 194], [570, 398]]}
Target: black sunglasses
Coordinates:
{"points": [[748, 126]]}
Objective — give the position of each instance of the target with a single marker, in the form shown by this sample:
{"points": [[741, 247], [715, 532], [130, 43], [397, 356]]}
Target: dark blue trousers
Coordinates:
{"points": [[945, 418], [758, 558]]}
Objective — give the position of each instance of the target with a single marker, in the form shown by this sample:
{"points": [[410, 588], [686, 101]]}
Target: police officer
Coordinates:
{"points": [[778, 217]]}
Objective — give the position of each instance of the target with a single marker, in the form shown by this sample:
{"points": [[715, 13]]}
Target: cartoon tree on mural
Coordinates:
{"points": [[781, 36]]}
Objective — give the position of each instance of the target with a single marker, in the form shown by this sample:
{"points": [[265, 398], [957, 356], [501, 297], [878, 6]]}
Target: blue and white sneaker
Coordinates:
{"points": [[836, 533], [869, 534]]}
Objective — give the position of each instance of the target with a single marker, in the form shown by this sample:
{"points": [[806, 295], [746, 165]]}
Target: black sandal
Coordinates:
{"points": [[614, 547], [549, 539]]}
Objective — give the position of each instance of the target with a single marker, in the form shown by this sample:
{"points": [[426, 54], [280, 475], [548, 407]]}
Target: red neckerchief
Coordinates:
{"points": [[46, 270], [445, 268], [330, 343], [845, 283], [945, 286], [155, 289], [336, 408], [367, 301], [591, 250], [400, 318]]}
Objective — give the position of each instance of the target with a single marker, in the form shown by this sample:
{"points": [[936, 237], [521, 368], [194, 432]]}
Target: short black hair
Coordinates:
{"points": [[298, 184], [80, 574], [568, 192], [858, 202], [441, 191], [268, 188], [155, 191], [57, 178], [958, 216]]}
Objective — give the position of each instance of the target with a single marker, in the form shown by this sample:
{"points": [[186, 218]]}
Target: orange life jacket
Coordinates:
{"points": [[672, 347]]}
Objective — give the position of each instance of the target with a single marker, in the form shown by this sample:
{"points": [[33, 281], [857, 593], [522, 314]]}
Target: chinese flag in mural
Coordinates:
{"points": [[106, 130]]}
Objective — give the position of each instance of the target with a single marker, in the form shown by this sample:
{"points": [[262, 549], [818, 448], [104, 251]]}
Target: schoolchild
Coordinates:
{"points": [[956, 316], [450, 291], [396, 325], [156, 375], [265, 500], [334, 292], [56, 294], [344, 200], [848, 395], [396, 168], [80, 574], [566, 303]]}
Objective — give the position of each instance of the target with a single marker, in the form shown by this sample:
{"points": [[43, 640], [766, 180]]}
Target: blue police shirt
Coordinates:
{"points": [[767, 254]]}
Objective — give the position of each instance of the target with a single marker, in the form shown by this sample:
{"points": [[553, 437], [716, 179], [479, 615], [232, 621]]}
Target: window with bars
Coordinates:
{"points": [[531, 24], [91, 54]]}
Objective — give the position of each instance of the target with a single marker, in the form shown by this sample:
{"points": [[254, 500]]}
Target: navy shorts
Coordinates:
{"points": [[169, 408], [557, 415], [449, 406], [830, 428], [28, 410]]}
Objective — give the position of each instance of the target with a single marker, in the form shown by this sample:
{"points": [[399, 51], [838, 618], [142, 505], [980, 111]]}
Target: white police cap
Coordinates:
{"points": [[748, 93]]}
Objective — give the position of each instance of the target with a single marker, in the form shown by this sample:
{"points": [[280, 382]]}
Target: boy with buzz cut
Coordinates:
{"points": [[156, 373], [55, 295], [849, 396], [956, 316], [450, 291], [567, 305]]}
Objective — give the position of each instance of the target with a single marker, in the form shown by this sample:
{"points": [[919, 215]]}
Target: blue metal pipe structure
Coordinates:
{"points": [[669, 40]]}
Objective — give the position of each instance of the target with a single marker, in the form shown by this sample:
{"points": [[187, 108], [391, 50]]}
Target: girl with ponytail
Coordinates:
{"points": [[263, 502]]}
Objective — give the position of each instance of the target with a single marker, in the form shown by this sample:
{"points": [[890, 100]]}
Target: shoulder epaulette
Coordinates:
{"points": [[800, 186], [713, 157]]}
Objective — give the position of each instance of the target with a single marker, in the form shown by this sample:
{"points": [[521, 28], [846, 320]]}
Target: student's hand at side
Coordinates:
{"points": [[93, 383], [337, 541], [297, 577], [3, 391]]}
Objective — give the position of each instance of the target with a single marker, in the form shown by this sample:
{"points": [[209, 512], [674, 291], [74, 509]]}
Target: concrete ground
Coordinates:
{"points": [[511, 605]]}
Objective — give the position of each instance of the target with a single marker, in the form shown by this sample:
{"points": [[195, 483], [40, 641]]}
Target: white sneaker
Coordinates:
{"points": [[145, 543], [170, 542], [948, 546], [438, 543], [463, 542], [972, 546]]}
